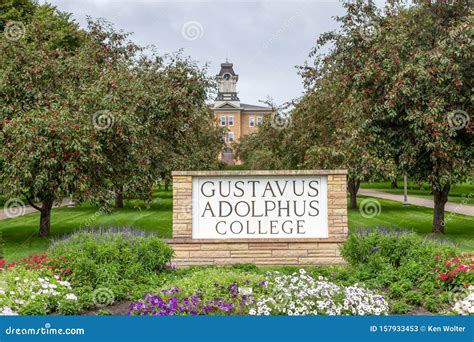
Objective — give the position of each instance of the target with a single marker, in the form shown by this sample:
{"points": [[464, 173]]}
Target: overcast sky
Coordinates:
{"points": [[264, 39]]}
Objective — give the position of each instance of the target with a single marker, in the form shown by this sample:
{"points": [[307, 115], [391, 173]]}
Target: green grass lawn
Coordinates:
{"points": [[460, 193], [459, 228], [20, 235]]}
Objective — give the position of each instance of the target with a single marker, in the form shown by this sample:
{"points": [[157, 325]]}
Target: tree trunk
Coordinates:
{"points": [[353, 188], [167, 184], [393, 183], [440, 199], [45, 217], [119, 198]]}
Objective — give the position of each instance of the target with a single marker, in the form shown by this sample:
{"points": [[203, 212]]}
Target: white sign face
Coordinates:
{"points": [[260, 207]]}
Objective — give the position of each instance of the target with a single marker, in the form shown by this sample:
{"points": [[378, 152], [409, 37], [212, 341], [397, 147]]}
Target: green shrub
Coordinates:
{"points": [[209, 280], [399, 261], [68, 307], [433, 304], [394, 246], [413, 297], [104, 312], [399, 307], [399, 288], [112, 258], [34, 307]]}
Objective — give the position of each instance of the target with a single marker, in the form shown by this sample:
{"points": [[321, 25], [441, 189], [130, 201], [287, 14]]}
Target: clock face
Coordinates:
{"points": [[226, 77]]}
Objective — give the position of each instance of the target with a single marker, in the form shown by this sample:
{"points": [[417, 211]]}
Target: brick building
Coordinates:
{"points": [[238, 118]]}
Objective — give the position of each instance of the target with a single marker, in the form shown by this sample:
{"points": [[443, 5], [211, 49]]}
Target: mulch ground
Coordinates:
{"points": [[117, 309], [121, 309]]}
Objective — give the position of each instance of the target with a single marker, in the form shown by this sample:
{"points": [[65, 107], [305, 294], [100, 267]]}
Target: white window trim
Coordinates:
{"points": [[251, 121], [225, 120], [228, 120], [259, 120], [231, 134]]}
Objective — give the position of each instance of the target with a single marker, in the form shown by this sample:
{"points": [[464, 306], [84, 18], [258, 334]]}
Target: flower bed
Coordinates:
{"points": [[29, 292], [454, 271], [300, 294], [294, 294], [95, 269]]}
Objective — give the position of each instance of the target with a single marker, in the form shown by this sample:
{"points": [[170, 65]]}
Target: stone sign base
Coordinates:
{"points": [[276, 251], [267, 252]]}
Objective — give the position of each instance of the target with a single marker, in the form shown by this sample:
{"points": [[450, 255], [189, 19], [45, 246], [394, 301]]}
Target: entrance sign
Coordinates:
{"points": [[284, 217], [259, 207]]}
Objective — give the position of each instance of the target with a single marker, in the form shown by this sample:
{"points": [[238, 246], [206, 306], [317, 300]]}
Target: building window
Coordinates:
{"points": [[259, 120], [224, 137], [230, 120], [252, 121], [223, 120], [231, 137]]}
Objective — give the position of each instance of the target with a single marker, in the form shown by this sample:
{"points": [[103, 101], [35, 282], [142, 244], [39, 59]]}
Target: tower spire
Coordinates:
{"points": [[227, 80]]}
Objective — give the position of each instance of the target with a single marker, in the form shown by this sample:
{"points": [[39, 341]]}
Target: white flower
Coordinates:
{"points": [[71, 296], [7, 311]]}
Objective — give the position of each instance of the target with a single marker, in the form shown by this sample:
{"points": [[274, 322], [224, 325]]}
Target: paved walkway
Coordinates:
{"points": [[27, 209], [457, 208]]}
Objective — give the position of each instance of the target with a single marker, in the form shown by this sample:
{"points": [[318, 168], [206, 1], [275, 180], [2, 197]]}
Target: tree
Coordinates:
{"points": [[58, 153], [47, 148], [186, 134], [410, 70], [124, 117]]}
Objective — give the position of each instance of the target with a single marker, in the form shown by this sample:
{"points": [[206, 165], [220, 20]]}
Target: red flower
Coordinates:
{"points": [[443, 276], [67, 271], [436, 258], [2, 262], [448, 263]]}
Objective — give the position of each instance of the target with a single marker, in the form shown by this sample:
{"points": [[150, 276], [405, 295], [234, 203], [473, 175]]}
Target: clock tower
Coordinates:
{"points": [[237, 119], [227, 81]]}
